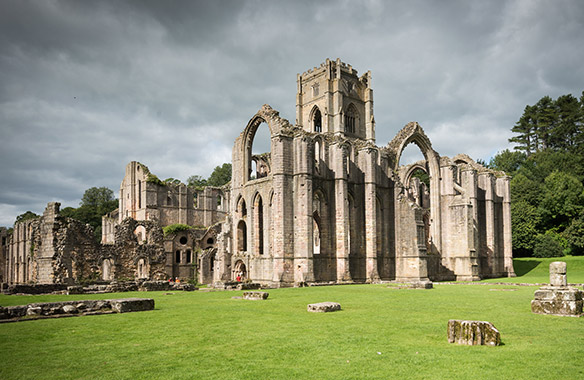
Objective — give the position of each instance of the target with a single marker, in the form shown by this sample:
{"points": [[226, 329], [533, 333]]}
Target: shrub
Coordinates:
{"points": [[174, 228], [574, 234], [546, 245]]}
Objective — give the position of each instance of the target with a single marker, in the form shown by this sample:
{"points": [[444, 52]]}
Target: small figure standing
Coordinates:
{"points": [[238, 278]]}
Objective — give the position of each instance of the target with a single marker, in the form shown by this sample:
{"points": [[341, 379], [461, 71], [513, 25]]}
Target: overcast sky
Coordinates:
{"points": [[88, 86]]}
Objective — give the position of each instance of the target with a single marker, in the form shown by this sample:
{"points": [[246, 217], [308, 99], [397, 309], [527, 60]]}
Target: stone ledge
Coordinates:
{"points": [[255, 295], [45, 310], [557, 307], [323, 307]]}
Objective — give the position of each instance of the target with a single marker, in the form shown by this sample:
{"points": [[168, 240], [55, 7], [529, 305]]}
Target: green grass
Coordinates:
{"points": [[209, 335], [532, 270]]}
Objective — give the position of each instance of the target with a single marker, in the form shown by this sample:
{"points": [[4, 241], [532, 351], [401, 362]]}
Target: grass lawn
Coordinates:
{"points": [[381, 333], [534, 270]]}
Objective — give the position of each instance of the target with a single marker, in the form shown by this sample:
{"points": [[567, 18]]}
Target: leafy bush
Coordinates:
{"points": [[547, 245], [574, 234], [174, 228], [152, 178]]}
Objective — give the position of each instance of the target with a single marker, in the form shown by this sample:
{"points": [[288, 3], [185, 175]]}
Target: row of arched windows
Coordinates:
{"points": [[350, 118], [258, 225]]}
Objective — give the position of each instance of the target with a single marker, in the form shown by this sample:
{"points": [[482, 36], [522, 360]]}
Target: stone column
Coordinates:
{"points": [[369, 121], [303, 225], [299, 101], [339, 163], [368, 160], [487, 182], [503, 186], [283, 209]]}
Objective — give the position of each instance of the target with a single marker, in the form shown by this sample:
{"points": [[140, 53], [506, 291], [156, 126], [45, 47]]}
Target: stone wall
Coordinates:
{"points": [[4, 242]]}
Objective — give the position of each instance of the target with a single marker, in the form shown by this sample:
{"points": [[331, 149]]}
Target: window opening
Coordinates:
{"points": [[177, 257], [350, 117], [317, 121], [188, 256]]}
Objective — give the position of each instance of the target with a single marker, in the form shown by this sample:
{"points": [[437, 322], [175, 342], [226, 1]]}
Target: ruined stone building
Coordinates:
{"points": [[328, 205], [324, 205]]}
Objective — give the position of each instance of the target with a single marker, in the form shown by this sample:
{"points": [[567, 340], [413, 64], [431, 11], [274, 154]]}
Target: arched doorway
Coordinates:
{"points": [[240, 270]]}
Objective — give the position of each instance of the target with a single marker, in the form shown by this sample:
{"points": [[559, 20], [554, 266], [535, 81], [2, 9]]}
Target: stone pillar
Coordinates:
{"points": [[503, 186], [558, 274], [339, 163], [369, 120], [46, 272], [487, 183], [558, 298], [303, 225], [283, 206], [368, 160], [299, 101], [337, 100]]}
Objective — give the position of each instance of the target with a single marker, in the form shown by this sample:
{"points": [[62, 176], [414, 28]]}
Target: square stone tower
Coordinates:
{"points": [[333, 99]]}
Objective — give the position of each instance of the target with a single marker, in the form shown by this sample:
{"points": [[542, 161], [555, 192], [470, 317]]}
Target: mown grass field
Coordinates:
{"points": [[381, 333]]}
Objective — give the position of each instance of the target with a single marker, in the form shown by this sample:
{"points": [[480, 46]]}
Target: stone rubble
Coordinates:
{"points": [[70, 308], [473, 333], [323, 307], [255, 295]]}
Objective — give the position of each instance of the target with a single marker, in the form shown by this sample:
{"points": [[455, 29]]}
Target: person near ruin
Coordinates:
{"points": [[238, 278]]}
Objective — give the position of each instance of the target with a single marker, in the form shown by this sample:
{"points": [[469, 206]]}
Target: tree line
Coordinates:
{"points": [[547, 170]]}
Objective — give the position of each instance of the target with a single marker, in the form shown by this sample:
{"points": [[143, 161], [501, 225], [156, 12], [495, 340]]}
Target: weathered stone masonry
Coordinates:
{"points": [[324, 205]]}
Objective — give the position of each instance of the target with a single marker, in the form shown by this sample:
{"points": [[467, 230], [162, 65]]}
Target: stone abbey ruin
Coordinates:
{"points": [[325, 205]]}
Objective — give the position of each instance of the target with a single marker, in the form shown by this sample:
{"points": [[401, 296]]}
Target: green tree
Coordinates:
{"points": [[524, 189], [574, 234], [507, 161], [26, 216], [95, 203], [562, 199], [551, 124], [220, 176], [196, 181], [524, 221], [547, 245], [97, 196]]}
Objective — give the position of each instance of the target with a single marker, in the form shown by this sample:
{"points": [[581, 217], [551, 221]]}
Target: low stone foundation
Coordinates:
{"points": [[473, 333], [255, 295], [34, 288], [113, 287], [323, 307], [412, 285], [43, 310]]}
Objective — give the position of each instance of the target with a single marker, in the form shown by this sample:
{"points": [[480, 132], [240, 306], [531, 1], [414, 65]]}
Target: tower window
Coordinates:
{"points": [[317, 121], [350, 117]]}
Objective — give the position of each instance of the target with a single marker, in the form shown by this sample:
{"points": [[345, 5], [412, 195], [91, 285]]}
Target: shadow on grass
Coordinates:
{"points": [[524, 266]]}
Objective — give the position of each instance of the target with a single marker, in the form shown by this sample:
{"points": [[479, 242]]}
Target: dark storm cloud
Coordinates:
{"points": [[86, 87]]}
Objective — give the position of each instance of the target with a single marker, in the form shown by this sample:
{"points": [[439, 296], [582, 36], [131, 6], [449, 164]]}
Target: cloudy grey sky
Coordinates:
{"points": [[87, 86]]}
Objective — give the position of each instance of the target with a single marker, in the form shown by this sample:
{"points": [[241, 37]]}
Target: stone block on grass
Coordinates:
{"points": [[473, 333], [126, 305], [255, 295], [324, 307]]}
